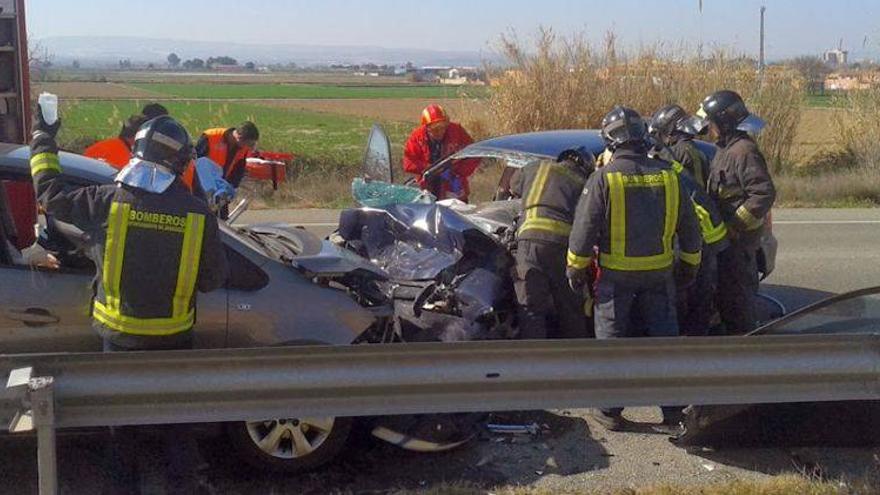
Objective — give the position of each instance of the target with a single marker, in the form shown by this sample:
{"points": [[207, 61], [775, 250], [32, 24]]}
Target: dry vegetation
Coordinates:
{"points": [[780, 485], [568, 83]]}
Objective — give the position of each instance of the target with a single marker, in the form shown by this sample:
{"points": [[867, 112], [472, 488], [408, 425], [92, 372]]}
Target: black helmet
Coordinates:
{"points": [[581, 156], [165, 142], [725, 108], [666, 120], [623, 125]]}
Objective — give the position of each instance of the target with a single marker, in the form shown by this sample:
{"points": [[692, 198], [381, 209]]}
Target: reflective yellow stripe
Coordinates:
{"points": [[691, 258], [670, 182], [44, 162], [711, 233], [546, 224], [142, 326], [538, 185], [647, 180], [750, 221], [577, 261], [677, 166], [617, 203], [188, 270], [114, 252], [636, 263]]}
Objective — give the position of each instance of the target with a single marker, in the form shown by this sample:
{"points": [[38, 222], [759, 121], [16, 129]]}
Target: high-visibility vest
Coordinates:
{"points": [[550, 194], [218, 151], [113, 151], [110, 305]]}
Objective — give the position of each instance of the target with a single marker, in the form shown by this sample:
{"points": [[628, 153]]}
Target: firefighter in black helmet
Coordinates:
{"points": [[672, 131], [740, 184], [154, 245], [632, 209], [550, 191]]}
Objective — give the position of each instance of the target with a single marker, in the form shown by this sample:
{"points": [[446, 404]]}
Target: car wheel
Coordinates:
{"points": [[290, 445]]}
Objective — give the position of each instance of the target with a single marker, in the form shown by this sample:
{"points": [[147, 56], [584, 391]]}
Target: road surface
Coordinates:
{"points": [[820, 251]]}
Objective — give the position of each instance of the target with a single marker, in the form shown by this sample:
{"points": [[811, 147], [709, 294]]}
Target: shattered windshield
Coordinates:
{"points": [[856, 312], [512, 158]]}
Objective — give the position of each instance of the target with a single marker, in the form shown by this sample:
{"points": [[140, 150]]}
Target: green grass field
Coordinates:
{"points": [[311, 136], [309, 91], [828, 100]]}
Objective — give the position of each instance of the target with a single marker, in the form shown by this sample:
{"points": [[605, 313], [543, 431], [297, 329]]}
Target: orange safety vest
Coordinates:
{"points": [[113, 151], [218, 152]]}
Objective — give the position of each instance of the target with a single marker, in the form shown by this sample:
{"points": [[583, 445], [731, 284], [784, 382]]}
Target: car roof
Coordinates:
{"points": [[15, 160], [546, 144]]}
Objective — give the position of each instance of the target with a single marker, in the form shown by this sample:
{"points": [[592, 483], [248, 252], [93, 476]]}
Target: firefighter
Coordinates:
{"points": [[631, 209], [550, 191], [435, 139], [673, 132], [740, 184], [154, 244], [117, 151], [229, 148]]}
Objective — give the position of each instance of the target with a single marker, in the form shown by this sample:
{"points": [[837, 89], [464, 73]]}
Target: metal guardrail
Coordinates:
{"points": [[247, 384]]}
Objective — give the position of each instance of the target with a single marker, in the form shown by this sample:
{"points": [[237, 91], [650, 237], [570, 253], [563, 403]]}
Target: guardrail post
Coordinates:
{"points": [[38, 411], [43, 404]]}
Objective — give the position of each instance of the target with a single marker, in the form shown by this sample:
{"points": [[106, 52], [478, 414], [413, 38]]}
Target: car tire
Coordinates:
{"points": [[325, 439]]}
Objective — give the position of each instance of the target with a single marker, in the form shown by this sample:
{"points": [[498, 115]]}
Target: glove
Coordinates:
{"points": [[40, 125], [685, 274], [578, 278], [223, 195]]}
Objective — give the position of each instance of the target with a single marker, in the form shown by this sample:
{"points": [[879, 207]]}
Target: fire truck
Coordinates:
{"points": [[14, 75]]}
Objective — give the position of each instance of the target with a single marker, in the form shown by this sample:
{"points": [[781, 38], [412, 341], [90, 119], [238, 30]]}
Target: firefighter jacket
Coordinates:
{"points": [[684, 151], [631, 209], [115, 152], [152, 251], [417, 158], [214, 144], [712, 227], [550, 192], [740, 184]]}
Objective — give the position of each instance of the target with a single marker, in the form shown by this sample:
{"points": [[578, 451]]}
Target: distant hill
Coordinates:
{"points": [[102, 51]]}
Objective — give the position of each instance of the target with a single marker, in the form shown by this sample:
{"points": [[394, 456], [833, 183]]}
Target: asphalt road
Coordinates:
{"points": [[820, 252]]}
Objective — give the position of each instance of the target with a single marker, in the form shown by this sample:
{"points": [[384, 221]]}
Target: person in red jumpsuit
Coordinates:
{"points": [[435, 139]]}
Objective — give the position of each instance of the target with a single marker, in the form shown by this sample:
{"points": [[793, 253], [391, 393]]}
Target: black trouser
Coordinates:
{"points": [[636, 305], [696, 304], [543, 294], [124, 448], [737, 287]]}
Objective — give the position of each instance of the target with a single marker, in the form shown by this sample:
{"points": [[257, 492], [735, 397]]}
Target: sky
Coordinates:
{"points": [[793, 27]]}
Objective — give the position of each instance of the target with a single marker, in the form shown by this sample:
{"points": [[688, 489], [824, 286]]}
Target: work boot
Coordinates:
{"points": [[671, 425], [611, 422]]}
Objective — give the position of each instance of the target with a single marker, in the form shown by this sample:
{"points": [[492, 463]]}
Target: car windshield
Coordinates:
{"points": [[855, 312], [510, 158]]}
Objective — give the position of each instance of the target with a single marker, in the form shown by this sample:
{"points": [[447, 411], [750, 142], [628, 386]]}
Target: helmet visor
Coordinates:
{"points": [[147, 176], [752, 124]]}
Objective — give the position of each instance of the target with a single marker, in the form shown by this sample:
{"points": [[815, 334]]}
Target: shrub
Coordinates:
{"points": [[859, 127], [565, 82]]}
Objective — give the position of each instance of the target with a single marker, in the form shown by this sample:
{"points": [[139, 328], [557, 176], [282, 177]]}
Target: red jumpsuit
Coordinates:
{"points": [[417, 159]]}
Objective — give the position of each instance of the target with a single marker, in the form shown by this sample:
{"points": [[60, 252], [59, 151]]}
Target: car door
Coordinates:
{"points": [[45, 310]]}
